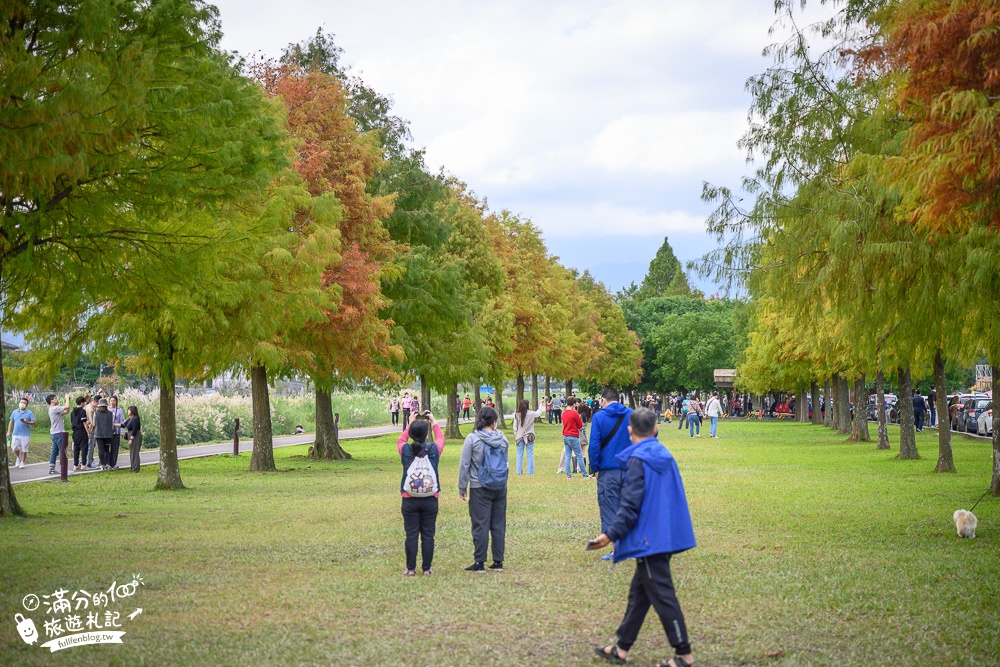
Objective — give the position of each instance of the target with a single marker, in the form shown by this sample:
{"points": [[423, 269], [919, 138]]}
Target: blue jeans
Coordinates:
{"points": [[933, 415], [57, 441], [694, 424], [713, 425], [572, 446], [918, 419], [609, 496], [523, 445]]}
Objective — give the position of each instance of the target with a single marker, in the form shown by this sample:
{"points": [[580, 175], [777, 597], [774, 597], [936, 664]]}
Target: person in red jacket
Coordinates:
{"points": [[572, 424]]}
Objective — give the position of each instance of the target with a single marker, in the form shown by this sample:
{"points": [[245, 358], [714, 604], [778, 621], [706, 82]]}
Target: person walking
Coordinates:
{"points": [[19, 431], [694, 413], [407, 404], [932, 404], [919, 408], [394, 409], [78, 426], [104, 431], [118, 420], [572, 423], [608, 439], [557, 408], [713, 410], [91, 408], [56, 427], [524, 435], [652, 525], [466, 407], [420, 490], [682, 410], [482, 481], [133, 431]]}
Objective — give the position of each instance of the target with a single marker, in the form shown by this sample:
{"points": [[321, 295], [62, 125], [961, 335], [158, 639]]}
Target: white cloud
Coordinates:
{"points": [[607, 218]]}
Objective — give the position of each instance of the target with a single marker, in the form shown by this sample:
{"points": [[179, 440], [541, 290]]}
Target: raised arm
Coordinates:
{"points": [[404, 436]]}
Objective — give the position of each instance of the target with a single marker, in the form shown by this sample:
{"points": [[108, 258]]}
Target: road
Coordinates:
{"points": [[38, 472]]}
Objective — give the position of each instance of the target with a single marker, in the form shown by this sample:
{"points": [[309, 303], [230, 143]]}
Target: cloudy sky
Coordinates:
{"points": [[597, 119]]}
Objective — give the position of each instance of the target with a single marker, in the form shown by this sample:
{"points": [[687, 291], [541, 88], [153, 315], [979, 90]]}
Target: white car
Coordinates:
{"points": [[984, 425]]}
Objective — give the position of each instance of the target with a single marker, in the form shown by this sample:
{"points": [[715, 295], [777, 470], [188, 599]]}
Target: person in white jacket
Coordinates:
{"points": [[714, 410], [524, 434]]}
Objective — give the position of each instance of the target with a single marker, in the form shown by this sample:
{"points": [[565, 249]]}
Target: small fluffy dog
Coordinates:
{"points": [[965, 522]]}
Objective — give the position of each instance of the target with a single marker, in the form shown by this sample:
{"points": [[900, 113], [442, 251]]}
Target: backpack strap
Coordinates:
{"points": [[606, 439]]}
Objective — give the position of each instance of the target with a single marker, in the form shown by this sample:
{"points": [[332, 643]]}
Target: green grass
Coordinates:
{"points": [[827, 551]]}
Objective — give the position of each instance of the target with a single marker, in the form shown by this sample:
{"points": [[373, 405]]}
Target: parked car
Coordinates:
{"points": [[984, 425], [956, 402], [891, 408]]}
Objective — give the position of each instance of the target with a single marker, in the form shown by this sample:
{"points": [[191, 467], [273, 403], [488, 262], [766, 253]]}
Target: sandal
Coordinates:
{"points": [[611, 656]]}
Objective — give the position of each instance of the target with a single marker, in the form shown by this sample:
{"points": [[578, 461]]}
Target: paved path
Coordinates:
{"points": [[37, 472]]}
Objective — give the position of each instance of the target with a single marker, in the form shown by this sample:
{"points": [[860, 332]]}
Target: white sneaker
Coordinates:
{"points": [[20, 463]]}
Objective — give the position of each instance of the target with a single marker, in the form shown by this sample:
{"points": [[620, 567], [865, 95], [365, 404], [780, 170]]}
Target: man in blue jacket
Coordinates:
{"points": [[608, 438], [653, 523]]}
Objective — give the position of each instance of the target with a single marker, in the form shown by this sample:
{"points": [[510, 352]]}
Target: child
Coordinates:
{"points": [[420, 489], [653, 523]]}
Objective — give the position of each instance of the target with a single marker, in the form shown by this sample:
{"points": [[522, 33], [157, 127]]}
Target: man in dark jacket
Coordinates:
{"points": [[652, 524], [608, 439]]}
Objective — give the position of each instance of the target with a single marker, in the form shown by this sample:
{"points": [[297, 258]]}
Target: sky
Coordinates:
{"points": [[599, 120]]}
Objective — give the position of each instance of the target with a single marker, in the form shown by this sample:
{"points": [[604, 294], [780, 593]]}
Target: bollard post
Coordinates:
{"points": [[236, 438], [63, 461]]}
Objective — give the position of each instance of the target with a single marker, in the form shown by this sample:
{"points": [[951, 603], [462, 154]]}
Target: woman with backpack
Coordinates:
{"points": [[524, 434], [483, 472], [420, 489]]}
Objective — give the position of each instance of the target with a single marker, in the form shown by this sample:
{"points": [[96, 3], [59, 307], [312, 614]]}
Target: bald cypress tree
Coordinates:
{"points": [[665, 276]]}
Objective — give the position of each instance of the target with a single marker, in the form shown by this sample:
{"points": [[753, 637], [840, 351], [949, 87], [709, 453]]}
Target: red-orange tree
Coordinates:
{"points": [[353, 344]]}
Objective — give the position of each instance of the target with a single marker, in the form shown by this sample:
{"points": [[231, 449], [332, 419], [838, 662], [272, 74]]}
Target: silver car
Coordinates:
{"points": [[984, 425]]}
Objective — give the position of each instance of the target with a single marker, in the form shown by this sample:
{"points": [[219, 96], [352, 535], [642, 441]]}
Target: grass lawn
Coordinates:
{"points": [[811, 549]]}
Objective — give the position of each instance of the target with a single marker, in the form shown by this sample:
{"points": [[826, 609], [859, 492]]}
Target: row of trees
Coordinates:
{"points": [[168, 204], [871, 246]]}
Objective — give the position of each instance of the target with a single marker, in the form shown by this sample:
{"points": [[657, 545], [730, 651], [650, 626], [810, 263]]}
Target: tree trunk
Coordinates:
{"points": [[548, 386], [451, 430], [837, 401], [907, 434], [520, 390], [534, 391], [425, 396], [501, 422], [827, 404], [8, 501], [169, 475], [478, 396], [631, 399], [945, 462], [883, 431], [817, 416], [262, 457], [327, 438], [802, 405], [859, 429], [569, 387], [845, 406]]}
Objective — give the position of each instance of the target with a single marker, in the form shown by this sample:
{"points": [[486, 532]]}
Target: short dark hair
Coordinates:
{"points": [[610, 394], [50, 398], [485, 417], [643, 422], [418, 429], [80, 400]]}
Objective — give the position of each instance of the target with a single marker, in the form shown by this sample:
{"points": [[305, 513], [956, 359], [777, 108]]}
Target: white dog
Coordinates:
{"points": [[965, 523]]}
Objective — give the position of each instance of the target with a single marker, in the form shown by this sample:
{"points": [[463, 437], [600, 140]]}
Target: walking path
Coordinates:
{"points": [[38, 472]]}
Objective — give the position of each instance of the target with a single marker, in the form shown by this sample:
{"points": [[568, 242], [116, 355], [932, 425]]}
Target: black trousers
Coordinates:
{"points": [[488, 511], [406, 416], [116, 444], [395, 417], [103, 449], [652, 585], [465, 413], [420, 519], [134, 449], [79, 447]]}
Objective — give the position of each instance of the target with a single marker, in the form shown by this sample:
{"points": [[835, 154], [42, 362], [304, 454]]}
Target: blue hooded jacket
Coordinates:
{"points": [[653, 517], [601, 426]]}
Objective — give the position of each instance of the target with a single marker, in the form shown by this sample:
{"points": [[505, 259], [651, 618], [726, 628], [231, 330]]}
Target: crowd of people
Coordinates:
{"points": [[97, 425], [640, 497]]}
